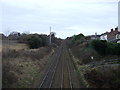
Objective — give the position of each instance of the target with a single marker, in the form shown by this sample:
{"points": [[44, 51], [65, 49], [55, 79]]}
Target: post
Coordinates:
{"points": [[96, 36], [50, 35], [119, 16]]}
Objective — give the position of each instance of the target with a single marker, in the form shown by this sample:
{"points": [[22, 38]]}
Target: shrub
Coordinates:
{"points": [[106, 48], [113, 48], [100, 46], [106, 76], [34, 42], [78, 37]]}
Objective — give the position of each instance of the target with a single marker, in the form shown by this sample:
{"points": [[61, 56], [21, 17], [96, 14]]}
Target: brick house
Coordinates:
{"points": [[114, 35]]}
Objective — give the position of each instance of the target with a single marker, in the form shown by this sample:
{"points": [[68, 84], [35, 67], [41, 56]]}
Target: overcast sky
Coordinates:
{"points": [[66, 17]]}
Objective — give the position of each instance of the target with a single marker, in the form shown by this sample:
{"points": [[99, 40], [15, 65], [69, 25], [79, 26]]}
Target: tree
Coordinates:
{"points": [[14, 35], [34, 42], [78, 37]]}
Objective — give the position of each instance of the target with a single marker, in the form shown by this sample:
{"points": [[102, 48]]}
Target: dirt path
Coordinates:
{"points": [[61, 73]]}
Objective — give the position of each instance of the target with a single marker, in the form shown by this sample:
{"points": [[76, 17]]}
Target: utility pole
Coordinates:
{"points": [[95, 35], [119, 16], [50, 35]]}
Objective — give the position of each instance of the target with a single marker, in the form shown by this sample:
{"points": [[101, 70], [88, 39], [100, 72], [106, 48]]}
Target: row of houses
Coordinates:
{"points": [[112, 36]]}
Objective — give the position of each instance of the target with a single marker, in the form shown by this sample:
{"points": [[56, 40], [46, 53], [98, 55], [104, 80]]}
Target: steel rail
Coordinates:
{"points": [[69, 72], [62, 74], [55, 70], [52, 64]]}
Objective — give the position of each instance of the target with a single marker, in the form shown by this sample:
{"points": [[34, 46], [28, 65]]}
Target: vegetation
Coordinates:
{"points": [[105, 48], [78, 37], [34, 42], [94, 62], [25, 57], [106, 76], [100, 46], [21, 68]]}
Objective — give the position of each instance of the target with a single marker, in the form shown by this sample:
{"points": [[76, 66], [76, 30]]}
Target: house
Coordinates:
{"points": [[95, 36], [114, 35], [104, 36], [118, 37]]}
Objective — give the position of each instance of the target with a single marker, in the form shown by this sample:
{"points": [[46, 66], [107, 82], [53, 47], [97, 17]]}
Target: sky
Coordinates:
{"points": [[66, 17]]}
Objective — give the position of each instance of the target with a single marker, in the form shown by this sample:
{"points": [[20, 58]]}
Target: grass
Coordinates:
{"points": [[0, 48], [15, 46], [30, 73], [80, 69], [22, 66]]}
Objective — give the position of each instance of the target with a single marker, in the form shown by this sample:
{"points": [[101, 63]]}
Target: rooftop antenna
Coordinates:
{"points": [[50, 35]]}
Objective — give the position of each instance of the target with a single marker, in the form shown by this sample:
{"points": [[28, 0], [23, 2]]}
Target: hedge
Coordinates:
{"points": [[106, 48]]}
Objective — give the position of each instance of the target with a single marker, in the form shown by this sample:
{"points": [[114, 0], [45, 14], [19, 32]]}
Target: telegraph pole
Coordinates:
{"points": [[119, 16], [50, 35]]}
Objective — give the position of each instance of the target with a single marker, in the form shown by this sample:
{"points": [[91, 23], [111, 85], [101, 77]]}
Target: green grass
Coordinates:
{"points": [[30, 73]]}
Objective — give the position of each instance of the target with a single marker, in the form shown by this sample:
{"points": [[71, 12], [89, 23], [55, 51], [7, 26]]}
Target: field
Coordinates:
{"points": [[22, 67], [7, 44]]}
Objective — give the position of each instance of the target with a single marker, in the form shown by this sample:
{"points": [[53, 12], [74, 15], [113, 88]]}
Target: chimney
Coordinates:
{"points": [[116, 29], [111, 30]]}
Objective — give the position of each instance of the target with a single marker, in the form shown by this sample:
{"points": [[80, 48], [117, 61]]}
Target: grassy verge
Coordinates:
{"points": [[30, 73], [80, 69], [97, 75]]}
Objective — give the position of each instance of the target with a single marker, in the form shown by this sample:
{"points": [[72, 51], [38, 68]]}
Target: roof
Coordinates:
{"points": [[104, 33]]}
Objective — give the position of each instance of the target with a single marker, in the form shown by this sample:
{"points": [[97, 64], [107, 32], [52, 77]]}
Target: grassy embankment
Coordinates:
{"points": [[22, 67], [95, 73]]}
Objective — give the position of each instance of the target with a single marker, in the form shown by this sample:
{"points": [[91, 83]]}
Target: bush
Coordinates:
{"points": [[100, 46], [113, 48], [106, 76], [78, 37], [34, 42], [106, 48]]}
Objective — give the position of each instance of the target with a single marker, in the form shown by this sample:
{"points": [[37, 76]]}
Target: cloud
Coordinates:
{"points": [[65, 16]]}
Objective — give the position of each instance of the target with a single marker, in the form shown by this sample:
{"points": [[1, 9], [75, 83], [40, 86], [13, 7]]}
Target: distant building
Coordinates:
{"points": [[95, 36], [104, 36], [112, 36]]}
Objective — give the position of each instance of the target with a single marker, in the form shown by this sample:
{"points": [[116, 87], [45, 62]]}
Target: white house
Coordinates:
{"points": [[118, 35], [104, 36]]}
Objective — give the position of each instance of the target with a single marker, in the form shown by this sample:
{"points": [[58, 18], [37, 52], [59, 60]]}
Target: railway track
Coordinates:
{"points": [[60, 73], [67, 79], [48, 78]]}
